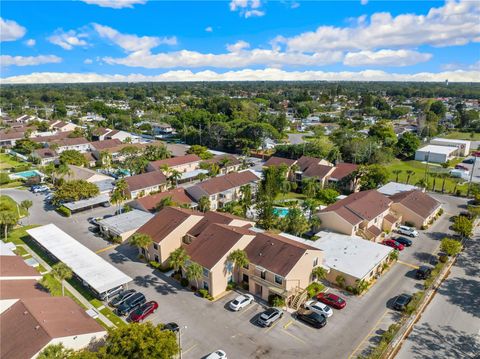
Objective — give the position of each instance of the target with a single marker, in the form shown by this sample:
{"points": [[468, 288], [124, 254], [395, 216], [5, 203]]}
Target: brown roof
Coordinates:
{"points": [[71, 141], [14, 266], [145, 180], [101, 131], [28, 325], [178, 195], [277, 161], [275, 253], [342, 170], [232, 160], [360, 206], [213, 217], [177, 149], [304, 162], [21, 289], [391, 218], [175, 161], [226, 182], [45, 153], [317, 171], [88, 156], [214, 243], [374, 230], [417, 201], [48, 139], [105, 144], [165, 221], [11, 136]]}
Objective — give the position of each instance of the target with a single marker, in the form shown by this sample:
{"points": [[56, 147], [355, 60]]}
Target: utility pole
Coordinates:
{"points": [[471, 176], [427, 158]]}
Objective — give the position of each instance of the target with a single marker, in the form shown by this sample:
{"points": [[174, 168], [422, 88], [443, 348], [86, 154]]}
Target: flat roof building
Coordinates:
{"points": [[392, 188], [463, 146], [125, 224], [435, 154]]}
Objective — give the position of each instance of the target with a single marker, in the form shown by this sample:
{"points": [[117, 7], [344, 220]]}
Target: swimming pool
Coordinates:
{"points": [[280, 211], [26, 174]]}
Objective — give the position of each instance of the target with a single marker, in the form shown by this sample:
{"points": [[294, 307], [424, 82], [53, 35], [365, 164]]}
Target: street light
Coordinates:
{"points": [[180, 338]]}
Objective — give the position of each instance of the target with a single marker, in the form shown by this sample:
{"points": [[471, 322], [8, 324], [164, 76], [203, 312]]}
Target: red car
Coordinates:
{"points": [[332, 300], [476, 154], [143, 311], [394, 244]]}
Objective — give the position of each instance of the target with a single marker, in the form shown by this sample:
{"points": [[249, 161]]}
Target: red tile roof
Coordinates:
{"points": [[105, 144], [342, 170], [228, 181], [145, 180], [277, 161], [178, 196], [45, 153], [21, 289], [317, 171], [175, 161], [417, 201], [14, 266], [213, 217]]}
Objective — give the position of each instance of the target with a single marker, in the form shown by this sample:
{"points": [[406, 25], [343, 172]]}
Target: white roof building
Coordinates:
{"points": [[125, 224], [392, 188], [6, 250], [98, 274], [463, 146], [436, 154]]}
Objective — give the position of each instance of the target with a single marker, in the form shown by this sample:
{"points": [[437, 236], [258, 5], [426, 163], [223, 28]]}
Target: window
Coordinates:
{"points": [[155, 246], [157, 259], [205, 285], [205, 272], [263, 274], [278, 279], [315, 262]]}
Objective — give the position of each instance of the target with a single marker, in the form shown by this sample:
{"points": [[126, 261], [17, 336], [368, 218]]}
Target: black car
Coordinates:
{"points": [[172, 327], [131, 303], [314, 319], [404, 240], [469, 161], [402, 301], [423, 272], [122, 297]]}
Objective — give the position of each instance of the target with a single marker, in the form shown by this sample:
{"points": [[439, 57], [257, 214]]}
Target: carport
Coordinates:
{"points": [[90, 203]]}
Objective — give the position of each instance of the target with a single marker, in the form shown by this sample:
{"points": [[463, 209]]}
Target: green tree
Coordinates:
{"points": [[194, 272], [27, 204], [319, 273], [410, 173], [383, 131], [246, 200], [372, 176], [463, 226], [362, 286], [310, 187], [139, 341], [295, 222], [119, 193], [142, 241], [174, 177], [156, 152], [407, 144], [8, 218], [239, 259], [55, 351], [328, 195], [178, 259], [62, 272], [106, 159], [450, 246], [204, 204], [165, 202], [75, 190], [200, 151], [72, 157]]}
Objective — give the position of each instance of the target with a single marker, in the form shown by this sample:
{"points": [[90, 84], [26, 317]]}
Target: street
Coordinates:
{"points": [[211, 326]]}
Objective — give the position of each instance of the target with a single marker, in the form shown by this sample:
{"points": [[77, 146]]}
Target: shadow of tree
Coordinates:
{"points": [[464, 293], [470, 259], [118, 258], [445, 342], [437, 235], [425, 257]]}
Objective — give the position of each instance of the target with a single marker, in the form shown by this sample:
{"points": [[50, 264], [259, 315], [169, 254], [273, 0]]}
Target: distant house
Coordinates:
{"points": [[223, 189], [149, 203], [227, 163], [100, 133], [277, 161], [185, 163], [79, 144], [463, 147], [146, 183], [103, 182], [415, 207], [9, 139], [45, 155], [114, 147], [62, 126], [123, 136]]}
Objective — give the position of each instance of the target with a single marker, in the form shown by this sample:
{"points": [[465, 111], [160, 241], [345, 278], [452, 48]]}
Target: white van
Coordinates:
{"points": [[409, 231]]}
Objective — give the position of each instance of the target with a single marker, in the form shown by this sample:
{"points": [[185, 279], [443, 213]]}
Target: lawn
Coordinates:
{"points": [[18, 235], [11, 205], [12, 184], [289, 196], [455, 135], [113, 317], [7, 162], [419, 173]]}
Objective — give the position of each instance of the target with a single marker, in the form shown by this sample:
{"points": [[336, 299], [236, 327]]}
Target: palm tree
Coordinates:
{"points": [[62, 170], [7, 219], [106, 159], [319, 273], [285, 187], [165, 169], [396, 173], [434, 176], [293, 170], [444, 177], [141, 241], [194, 272], [202, 177], [178, 259], [246, 201], [62, 272], [174, 177], [310, 187], [165, 202], [119, 193], [456, 181], [421, 183], [410, 173], [214, 170], [239, 259], [362, 286], [224, 163], [204, 204]]}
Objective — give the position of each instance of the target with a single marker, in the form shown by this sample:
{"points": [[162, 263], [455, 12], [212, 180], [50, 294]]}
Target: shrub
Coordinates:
{"points": [[410, 224], [184, 282], [351, 289], [413, 305], [423, 227], [314, 288], [177, 276], [154, 264], [245, 286], [21, 168], [116, 239], [451, 246], [440, 212], [64, 211], [340, 280], [275, 300], [389, 334], [4, 178], [203, 293], [231, 285]]}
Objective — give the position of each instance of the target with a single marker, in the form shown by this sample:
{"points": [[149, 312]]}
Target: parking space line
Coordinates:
{"points": [[186, 351], [288, 324], [106, 248], [369, 334], [294, 337], [273, 326], [249, 308], [408, 264]]}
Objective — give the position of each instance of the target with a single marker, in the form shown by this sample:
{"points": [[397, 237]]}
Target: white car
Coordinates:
{"points": [[409, 231], [217, 354], [241, 302], [319, 308]]}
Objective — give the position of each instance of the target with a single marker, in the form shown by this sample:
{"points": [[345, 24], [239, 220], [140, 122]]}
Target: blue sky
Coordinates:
{"points": [[140, 40]]}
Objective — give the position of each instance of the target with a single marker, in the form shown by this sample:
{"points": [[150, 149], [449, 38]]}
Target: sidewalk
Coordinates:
{"points": [[69, 287]]}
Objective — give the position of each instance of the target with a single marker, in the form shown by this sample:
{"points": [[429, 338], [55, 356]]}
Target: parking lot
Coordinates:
{"points": [[211, 325]]}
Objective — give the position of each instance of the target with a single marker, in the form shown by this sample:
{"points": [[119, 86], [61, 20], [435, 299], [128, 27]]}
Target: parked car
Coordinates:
{"points": [[423, 272], [394, 244], [402, 301], [409, 231], [312, 318], [404, 240], [143, 311], [131, 303], [39, 188], [460, 167], [172, 327], [241, 302], [94, 220], [332, 300], [122, 297], [476, 154], [270, 316], [469, 161], [319, 308], [217, 354]]}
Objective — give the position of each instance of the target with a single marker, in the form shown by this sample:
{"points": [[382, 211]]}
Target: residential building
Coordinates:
{"points": [[277, 161], [10, 138], [45, 155], [31, 324], [114, 147], [223, 189], [365, 213], [416, 207], [104, 183], [340, 176], [149, 203], [392, 188], [79, 144], [62, 126], [227, 163], [15, 268], [463, 147], [100, 134], [187, 163], [146, 183], [11, 291], [123, 136], [311, 167], [125, 224]]}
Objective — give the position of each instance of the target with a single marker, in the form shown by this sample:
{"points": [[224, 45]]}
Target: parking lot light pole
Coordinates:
{"points": [[180, 338]]}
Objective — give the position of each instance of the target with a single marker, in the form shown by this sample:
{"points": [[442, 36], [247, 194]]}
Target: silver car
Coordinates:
{"points": [[270, 316]]}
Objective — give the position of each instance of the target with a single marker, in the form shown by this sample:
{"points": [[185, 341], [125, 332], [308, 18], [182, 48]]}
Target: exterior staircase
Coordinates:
{"points": [[297, 299]]}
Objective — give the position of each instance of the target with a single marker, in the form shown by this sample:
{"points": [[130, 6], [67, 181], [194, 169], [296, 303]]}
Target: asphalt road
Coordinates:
{"points": [[450, 326], [210, 326], [297, 138]]}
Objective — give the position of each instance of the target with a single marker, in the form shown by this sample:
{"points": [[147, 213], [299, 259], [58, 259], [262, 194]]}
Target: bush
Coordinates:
{"points": [[245, 286], [410, 224], [4, 178], [177, 276], [450, 246], [275, 300], [64, 211], [423, 227], [154, 264], [413, 305], [204, 294], [340, 280], [389, 334], [116, 239], [21, 168], [314, 288], [184, 282], [351, 289], [231, 285]]}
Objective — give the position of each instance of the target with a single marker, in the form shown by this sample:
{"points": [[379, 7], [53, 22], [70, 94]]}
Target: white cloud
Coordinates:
{"points": [[455, 23], [238, 46], [457, 66], [68, 40], [364, 2], [88, 61], [7, 60], [30, 42], [245, 75], [247, 8], [115, 4], [385, 58], [10, 30], [209, 29], [133, 43], [295, 5]]}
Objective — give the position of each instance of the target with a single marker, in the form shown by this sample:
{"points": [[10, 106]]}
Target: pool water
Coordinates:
{"points": [[27, 174], [280, 211]]}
